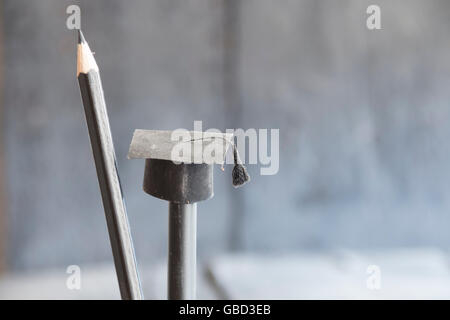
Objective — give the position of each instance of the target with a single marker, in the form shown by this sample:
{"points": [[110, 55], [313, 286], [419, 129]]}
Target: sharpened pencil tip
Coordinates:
{"points": [[85, 59], [81, 37]]}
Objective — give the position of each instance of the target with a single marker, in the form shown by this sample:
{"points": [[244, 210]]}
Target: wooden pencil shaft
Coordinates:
{"points": [[108, 178]]}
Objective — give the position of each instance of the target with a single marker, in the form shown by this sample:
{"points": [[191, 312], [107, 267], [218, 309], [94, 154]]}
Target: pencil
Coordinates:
{"points": [[107, 174]]}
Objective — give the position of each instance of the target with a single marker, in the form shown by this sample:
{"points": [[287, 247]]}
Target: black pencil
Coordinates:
{"points": [[108, 176]]}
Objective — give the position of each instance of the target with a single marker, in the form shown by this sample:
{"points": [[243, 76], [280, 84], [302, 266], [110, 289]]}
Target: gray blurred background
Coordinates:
{"points": [[363, 118]]}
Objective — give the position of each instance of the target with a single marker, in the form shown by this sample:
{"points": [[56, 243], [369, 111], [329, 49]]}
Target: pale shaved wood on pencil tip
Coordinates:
{"points": [[85, 59]]}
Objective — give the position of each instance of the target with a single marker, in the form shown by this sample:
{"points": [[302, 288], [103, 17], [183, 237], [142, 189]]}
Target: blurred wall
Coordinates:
{"points": [[3, 226], [362, 117]]}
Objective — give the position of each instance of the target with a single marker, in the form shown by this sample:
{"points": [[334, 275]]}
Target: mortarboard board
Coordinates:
{"points": [[188, 147]]}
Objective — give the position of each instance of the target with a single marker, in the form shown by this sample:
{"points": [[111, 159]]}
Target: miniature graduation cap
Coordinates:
{"points": [[179, 163]]}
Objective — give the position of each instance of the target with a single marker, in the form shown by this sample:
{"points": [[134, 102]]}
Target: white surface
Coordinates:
{"points": [[405, 274], [97, 282]]}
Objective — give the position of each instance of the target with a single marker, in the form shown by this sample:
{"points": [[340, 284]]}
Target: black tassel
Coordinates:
{"points": [[239, 174]]}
